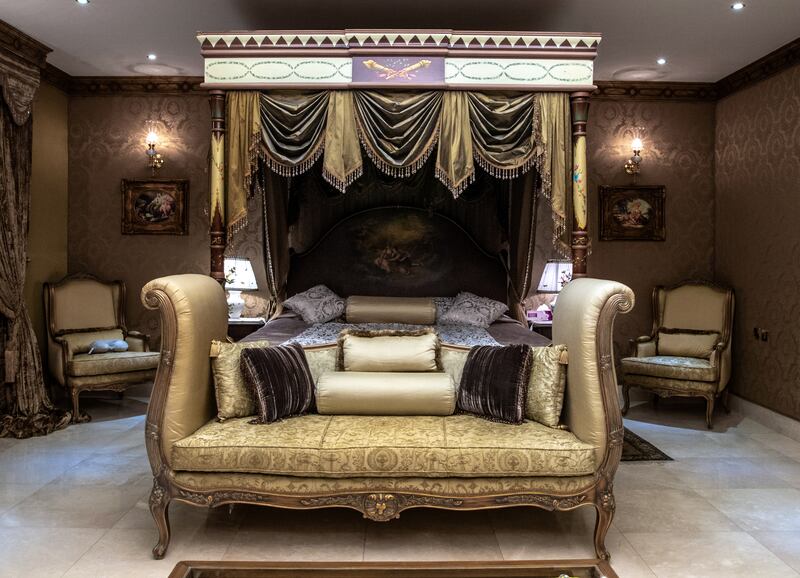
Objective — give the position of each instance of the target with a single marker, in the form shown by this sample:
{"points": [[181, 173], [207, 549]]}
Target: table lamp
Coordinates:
{"points": [[556, 274], [239, 276]]}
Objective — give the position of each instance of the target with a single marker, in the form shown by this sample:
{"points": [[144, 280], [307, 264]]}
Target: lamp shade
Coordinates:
{"points": [[239, 274], [556, 274]]}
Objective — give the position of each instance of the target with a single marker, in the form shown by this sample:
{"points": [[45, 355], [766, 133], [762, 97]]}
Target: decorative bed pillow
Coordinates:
{"points": [[321, 360], [471, 309], [316, 305], [687, 342], [546, 385], [442, 304], [234, 398], [106, 345], [385, 393], [411, 310], [280, 380], [494, 382], [389, 350]]}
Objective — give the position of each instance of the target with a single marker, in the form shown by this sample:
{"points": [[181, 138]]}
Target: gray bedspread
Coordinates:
{"points": [[289, 328]]}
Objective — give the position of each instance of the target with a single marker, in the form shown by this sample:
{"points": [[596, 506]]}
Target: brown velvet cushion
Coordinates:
{"points": [[280, 380], [494, 382]]}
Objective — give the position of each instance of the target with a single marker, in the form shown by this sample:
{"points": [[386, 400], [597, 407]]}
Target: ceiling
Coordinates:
{"points": [[702, 40]]}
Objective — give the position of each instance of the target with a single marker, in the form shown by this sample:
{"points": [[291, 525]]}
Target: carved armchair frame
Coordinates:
{"points": [[56, 336], [716, 355], [385, 506]]}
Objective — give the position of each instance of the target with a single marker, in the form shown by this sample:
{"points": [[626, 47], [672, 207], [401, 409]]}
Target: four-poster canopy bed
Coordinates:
{"points": [[511, 104], [463, 132]]}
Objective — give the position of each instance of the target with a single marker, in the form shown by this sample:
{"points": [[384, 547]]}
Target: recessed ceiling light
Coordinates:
{"points": [[662, 61], [82, 2], [151, 56], [737, 5]]}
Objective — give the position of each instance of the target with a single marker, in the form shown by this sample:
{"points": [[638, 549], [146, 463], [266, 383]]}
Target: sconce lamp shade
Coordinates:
{"points": [[636, 144], [556, 274], [239, 275]]}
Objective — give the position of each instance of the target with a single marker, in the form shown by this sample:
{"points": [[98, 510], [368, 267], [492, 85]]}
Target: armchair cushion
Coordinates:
{"points": [[85, 364], [682, 343], [670, 367]]}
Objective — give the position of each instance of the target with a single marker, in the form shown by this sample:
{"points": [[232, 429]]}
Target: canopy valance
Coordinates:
{"points": [[504, 133]]}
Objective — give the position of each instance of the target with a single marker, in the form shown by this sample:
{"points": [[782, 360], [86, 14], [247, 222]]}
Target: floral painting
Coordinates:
{"points": [[155, 207], [634, 213]]}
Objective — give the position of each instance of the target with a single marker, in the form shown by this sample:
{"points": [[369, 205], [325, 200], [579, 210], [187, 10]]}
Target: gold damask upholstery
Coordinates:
{"points": [[81, 309], [691, 317], [397, 446]]}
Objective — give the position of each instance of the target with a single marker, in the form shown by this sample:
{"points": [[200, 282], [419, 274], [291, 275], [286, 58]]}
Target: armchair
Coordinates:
{"points": [[688, 352], [81, 309]]}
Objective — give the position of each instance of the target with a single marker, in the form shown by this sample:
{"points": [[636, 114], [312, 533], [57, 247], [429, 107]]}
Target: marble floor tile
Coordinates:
{"points": [[108, 470], [667, 511], [42, 552], [13, 494], [287, 535], [533, 534], [433, 535], [128, 553], [646, 476], [22, 466], [722, 473], [63, 506], [785, 545], [787, 469], [182, 517], [691, 554], [785, 445], [763, 510]]}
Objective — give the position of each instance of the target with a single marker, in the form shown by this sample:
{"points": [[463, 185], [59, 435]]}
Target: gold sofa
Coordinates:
{"points": [[381, 465], [684, 313], [78, 310]]}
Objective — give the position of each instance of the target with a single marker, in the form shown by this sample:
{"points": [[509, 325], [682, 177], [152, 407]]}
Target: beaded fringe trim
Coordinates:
{"points": [[237, 226], [252, 158], [339, 184], [455, 188], [296, 169], [393, 170]]}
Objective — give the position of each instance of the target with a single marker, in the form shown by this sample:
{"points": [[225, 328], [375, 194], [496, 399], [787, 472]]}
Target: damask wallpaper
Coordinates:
{"points": [[106, 144], [758, 209], [678, 153]]}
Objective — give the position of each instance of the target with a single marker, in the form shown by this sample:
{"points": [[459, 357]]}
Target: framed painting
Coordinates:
{"points": [[155, 206], [632, 213]]}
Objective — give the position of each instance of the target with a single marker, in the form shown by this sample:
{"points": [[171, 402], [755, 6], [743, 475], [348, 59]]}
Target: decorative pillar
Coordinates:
{"points": [[217, 185], [579, 102]]}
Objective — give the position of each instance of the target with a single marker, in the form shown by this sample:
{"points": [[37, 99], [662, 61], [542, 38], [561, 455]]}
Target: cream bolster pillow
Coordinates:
{"points": [[384, 393], [411, 310], [390, 352]]}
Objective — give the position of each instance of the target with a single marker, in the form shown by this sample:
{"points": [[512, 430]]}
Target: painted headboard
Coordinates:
{"points": [[398, 251]]}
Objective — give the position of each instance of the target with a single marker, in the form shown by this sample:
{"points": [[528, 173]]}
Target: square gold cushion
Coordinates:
{"points": [[546, 385], [342, 446], [234, 398]]}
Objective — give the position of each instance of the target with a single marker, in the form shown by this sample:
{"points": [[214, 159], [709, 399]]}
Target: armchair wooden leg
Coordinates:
{"points": [[710, 411], [626, 395], [159, 508], [77, 417]]}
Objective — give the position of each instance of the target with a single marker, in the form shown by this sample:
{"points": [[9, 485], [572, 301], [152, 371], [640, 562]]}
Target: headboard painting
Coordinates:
{"points": [[398, 251]]}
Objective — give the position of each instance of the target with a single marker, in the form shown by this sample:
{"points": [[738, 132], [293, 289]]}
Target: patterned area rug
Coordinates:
{"points": [[637, 449]]}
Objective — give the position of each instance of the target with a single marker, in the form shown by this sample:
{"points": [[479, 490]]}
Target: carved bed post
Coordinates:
{"points": [[579, 104], [217, 185]]}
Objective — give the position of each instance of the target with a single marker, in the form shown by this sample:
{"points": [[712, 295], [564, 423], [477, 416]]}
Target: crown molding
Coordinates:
{"points": [[56, 77], [784, 57], [673, 91], [18, 44], [135, 85]]}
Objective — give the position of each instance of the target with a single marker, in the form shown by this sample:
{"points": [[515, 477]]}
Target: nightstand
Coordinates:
{"points": [[241, 327], [543, 328]]}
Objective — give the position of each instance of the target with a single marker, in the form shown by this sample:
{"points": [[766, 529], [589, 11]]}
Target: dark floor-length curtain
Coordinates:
{"points": [[274, 205], [25, 407]]}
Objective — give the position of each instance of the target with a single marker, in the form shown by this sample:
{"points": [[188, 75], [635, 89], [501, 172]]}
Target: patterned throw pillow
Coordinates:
{"points": [[442, 304], [471, 309], [233, 396], [494, 382], [546, 385], [317, 305], [280, 380]]}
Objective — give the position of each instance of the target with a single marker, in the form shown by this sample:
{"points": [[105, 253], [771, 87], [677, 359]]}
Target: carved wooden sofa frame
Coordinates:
{"points": [[384, 506]]}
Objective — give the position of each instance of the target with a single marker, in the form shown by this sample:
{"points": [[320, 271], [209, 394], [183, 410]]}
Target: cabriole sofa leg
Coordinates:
{"points": [[159, 508], [605, 513]]}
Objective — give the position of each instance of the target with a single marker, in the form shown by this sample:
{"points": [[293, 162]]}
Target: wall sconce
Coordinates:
{"points": [[154, 158], [632, 164]]}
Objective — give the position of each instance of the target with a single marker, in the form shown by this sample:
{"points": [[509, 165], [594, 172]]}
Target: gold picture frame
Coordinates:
{"points": [[632, 213], [155, 206]]}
